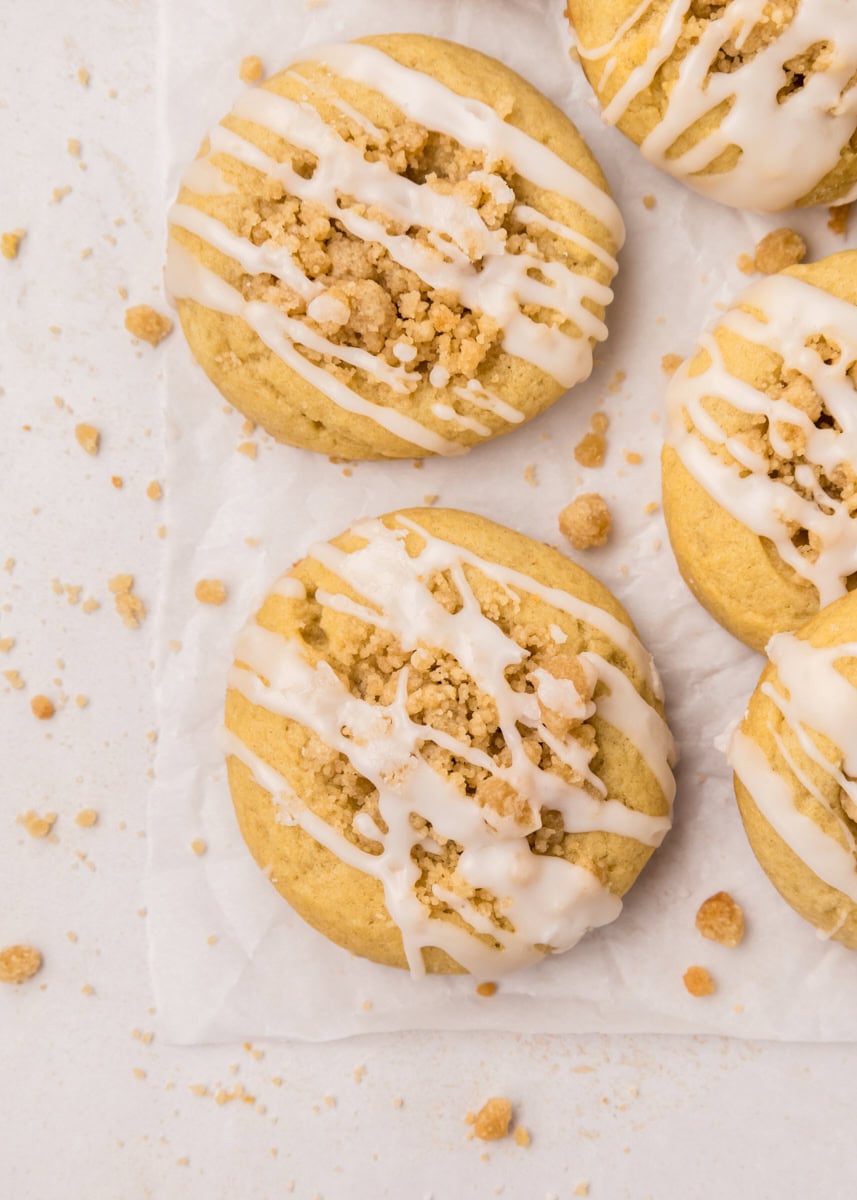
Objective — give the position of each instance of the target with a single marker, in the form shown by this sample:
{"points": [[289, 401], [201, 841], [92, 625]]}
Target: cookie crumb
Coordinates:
{"points": [[199, 847], [632, 458], [14, 678], [36, 826], [590, 450], [81, 701], [59, 193], [6, 644], [83, 76], [210, 591], [431, 498], [780, 249], [90, 606], [698, 981], [649, 202], [398, 1102], [251, 69], [250, 449], [492, 1121], [154, 491], [117, 481], [19, 963], [86, 818], [522, 1136], [670, 363], [745, 264], [530, 475], [87, 990], [129, 606], [586, 521], [582, 1189], [42, 707], [839, 215], [88, 438], [721, 919], [486, 989], [73, 147], [144, 322], [10, 243], [71, 935]]}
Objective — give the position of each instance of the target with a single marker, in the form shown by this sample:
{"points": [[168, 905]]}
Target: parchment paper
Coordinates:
{"points": [[230, 959]]}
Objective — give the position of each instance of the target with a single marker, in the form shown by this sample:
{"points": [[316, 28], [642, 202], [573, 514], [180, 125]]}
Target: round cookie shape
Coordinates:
{"points": [[446, 745], [751, 103], [795, 769], [759, 466], [394, 248]]}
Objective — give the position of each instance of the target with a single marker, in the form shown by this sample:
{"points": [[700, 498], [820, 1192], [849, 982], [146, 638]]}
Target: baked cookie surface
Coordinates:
{"points": [[759, 466], [751, 103], [795, 769], [446, 745], [394, 248]]}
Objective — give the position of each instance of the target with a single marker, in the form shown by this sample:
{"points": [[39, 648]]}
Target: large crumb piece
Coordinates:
{"points": [[210, 591], [251, 69], [88, 437], [586, 521], [145, 323], [590, 450], [721, 919], [698, 981], [10, 242], [19, 963], [493, 1119], [780, 249], [130, 607], [42, 708], [36, 826], [839, 215]]}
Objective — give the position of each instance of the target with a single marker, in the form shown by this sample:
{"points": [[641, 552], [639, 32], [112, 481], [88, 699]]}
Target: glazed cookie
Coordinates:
{"points": [[394, 248], [749, 102], [760, 461], [446, 745], [795, 769]]}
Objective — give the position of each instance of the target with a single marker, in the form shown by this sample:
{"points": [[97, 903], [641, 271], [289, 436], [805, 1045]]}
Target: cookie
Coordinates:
{"points": [[446, 745], [753, 104], [394, 248], [795, 769], [760, 463]]}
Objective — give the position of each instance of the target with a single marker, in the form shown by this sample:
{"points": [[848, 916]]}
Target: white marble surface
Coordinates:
{"points": [[637, 1117]]}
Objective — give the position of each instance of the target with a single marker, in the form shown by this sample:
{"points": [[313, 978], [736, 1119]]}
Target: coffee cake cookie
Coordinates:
{"points": [[796, 769], [446, 745], [396, 247], [760, 461], [749, 102]]}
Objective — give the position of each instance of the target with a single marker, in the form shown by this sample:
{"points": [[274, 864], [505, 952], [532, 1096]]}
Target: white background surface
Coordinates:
{"points": [[637, 1117]]}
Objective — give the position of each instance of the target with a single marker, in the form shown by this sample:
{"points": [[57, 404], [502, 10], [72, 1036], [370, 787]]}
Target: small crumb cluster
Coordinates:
{"points": [[130, 607], [592, 447], [492, 1121], [586, 521], [779, 249], [19, 963], [145, 323]]}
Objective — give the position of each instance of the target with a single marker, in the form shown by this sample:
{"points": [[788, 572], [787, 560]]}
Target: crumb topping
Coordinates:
{"points": [[780, 249], [721, 919], [492, 1121], [145, 323], [19, 963], [586, 521], [36, 826], [698, 981]]}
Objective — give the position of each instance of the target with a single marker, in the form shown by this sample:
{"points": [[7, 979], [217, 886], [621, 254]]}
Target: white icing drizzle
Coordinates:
{"points": [[787, 148], [547, 901], [793, 312], [817, 698], [462, 255], [203, 177], [445, 412]]}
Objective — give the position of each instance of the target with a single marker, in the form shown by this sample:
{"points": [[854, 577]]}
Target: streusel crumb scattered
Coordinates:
{"points": [[154, 491], [81, 701], [36, 826], [582, 1189], [522, 1136], [698, 981], [73, 147], [130, 607], [6, 644], [839, 215], [83, 76], [493, 1119], [633, 458], [145, 323], [649, 202], [42, 707], [670, 363], [117, 481], [590, 450], [59, 193], [586, 521], [745, 264], [86, 818], [198, 846], [88, 438], [248, 448], [486, 989], [14, 678], [780, 249], [210, 591], [19, 963], [530, 475], [721, 919], [10, 242], [251, 69]]}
